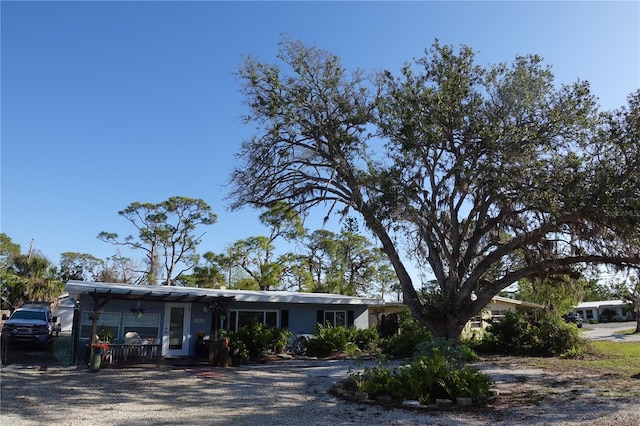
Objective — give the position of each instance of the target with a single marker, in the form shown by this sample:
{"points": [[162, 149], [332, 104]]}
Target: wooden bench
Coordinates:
{"points": [[119, 354]]}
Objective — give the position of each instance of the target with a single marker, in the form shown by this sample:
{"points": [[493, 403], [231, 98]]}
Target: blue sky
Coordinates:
{"points": [[107, 103]]}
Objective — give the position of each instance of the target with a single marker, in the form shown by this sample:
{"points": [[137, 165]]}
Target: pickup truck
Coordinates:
{"points": [[573, 318], [32, 323]]}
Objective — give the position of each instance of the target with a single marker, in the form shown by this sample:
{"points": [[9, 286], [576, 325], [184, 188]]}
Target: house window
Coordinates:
{"points": [[241, 319], [476, 322], [498, 315], [335, 318], [108, 320], [147, 326], [589, 313]]}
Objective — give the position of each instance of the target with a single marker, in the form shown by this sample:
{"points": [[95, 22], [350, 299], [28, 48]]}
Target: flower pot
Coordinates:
{"points": [[94, 363]]}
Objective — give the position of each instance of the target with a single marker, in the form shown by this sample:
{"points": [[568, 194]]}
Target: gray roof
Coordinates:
{"points": [[192, 294]]}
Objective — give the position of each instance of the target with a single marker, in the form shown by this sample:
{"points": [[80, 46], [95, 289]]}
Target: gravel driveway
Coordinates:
{"points": [[293, 392]]}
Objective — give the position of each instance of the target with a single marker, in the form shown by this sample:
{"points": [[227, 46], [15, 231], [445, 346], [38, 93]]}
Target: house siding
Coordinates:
{"points": [[293, 311]]}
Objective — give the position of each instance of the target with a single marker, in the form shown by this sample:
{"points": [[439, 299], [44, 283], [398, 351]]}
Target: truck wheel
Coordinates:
{"points": [[4, 351]]}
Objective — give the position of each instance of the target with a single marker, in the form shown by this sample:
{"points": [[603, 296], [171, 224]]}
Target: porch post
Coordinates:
{"points": [[94, 319]]}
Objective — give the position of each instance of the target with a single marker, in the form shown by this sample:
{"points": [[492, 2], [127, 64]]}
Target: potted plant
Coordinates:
{"points": [[96, 355], [105, 334], [281, 337]]}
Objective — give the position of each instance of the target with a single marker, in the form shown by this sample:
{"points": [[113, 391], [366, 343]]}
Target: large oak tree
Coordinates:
{"points": [[485, 175]]}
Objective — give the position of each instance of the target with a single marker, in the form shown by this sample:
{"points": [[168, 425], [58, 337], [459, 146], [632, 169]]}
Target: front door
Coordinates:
{"points": [[175, 339]]}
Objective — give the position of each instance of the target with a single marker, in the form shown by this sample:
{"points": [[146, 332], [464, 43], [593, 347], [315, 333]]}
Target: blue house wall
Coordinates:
{"points": [[118, 316]]}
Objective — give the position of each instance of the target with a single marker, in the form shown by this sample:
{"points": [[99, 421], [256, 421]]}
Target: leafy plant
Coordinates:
{"points": [[257, 339], [105, 334], [410, 334], [365, 338], [556, 337], [328, 340], [453, 351], [427, 378], [515, 335], [279, 339]]}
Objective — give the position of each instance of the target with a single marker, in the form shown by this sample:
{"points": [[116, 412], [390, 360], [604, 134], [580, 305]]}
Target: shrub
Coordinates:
{"points": [[257, 339], [380, 380], [427, 378], [512, 334], [515, 335], [411, 333], [556, 337], [329, 340], [366, 339], [279, 339], [454, 351]]}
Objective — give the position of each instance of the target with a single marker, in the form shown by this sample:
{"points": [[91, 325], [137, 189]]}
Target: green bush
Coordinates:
{"points": [[556, 337], [515, 335], [279, 339], [329, 340], [454, 351], [411, 333], [366, 339], [257, 339], [427, 378]]}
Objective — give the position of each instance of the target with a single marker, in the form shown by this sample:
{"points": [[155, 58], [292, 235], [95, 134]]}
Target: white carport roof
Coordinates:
{"points": [[600, 303], [192, 294]]}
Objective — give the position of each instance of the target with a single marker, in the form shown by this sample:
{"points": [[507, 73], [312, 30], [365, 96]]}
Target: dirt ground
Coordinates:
{"points": [[293, 392]]}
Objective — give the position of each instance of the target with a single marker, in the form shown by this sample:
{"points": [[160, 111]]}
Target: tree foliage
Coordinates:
{"points": [[256, 255], [165, 234], [80, 266], [345, 263], [26, 277], [557, 294], [595, 290], [629, 290], [464, 169]]}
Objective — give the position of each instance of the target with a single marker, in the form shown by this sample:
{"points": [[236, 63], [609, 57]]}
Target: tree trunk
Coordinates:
{"points": [[448, 327]]}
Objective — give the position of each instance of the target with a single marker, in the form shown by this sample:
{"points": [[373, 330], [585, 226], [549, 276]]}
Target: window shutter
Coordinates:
{"points": [[320, 318], [350, 318], [284, 318]]}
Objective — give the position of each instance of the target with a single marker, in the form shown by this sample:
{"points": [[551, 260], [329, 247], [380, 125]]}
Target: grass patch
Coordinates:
{"points": [[616, 358], [626, 332], [606, 358]]}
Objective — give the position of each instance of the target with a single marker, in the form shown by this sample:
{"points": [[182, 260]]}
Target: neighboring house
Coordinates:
{"points": [[605, 310], [496, 309], [174, 316]]}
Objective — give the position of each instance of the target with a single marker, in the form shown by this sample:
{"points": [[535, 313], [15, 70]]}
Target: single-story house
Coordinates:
{"points": [[605, 310], [175, 316], [496, 309]]}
